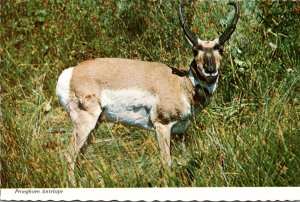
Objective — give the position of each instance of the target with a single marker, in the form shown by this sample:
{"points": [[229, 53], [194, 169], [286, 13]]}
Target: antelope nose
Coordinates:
{"points": [[210, 70]]}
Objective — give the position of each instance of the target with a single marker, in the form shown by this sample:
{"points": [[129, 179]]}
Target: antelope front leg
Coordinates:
{"points": [[163, 133]]}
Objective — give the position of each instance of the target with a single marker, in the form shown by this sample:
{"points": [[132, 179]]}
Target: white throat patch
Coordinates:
{"points": [[211, 88]]}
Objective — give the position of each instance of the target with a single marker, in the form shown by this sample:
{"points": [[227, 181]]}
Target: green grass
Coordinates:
{"points": [[248, 136]]}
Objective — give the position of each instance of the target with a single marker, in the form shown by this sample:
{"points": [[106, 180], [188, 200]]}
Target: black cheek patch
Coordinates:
{"points": [[221, 51], [195, 53]]}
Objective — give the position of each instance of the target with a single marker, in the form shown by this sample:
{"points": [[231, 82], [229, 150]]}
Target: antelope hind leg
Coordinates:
{"points": [[84, 122]]}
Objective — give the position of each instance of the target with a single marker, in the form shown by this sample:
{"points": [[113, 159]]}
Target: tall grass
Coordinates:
{"points": [[248, 136]]}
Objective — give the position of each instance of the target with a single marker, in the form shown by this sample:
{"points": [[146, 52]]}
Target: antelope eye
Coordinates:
{"points": [[219, 48], [199, 48], [221, 51]]}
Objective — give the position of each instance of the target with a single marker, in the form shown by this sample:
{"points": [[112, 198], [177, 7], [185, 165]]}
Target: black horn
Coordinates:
{"points": [[192, 38], [230, 29]]}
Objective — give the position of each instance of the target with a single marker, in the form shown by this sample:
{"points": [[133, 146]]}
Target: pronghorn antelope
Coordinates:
{"points": [[148, 95]]}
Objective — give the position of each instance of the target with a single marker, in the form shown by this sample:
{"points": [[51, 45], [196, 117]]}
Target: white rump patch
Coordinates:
{"points": [[63, 87], [131, 107]]}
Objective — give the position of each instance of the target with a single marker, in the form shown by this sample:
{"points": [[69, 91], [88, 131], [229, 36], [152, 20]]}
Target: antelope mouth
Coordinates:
{"points": [[210, 74]]}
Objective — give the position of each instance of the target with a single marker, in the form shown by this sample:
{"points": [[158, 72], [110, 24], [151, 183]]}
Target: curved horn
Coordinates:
{"points": [[230, 29], [191, 38]]}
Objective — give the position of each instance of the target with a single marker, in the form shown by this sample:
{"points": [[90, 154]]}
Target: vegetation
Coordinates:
{"points": [[248, 136]]}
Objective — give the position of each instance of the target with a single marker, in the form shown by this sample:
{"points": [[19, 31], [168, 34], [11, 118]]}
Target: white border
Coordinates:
{"points": [[151, 194]]}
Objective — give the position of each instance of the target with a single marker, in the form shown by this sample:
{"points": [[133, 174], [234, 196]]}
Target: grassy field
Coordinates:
{"points": [[248, 136]]}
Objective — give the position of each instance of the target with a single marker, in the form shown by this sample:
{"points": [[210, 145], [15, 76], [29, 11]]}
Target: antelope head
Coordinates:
{"points": [[208, 54]]}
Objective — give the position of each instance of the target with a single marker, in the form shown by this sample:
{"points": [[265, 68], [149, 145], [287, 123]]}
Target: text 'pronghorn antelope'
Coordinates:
{"points": [[148, 95]]}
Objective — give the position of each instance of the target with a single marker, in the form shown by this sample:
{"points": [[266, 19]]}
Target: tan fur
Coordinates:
{"points": [[93, 76]]}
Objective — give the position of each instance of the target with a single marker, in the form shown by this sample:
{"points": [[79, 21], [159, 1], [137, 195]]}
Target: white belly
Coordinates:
{"points": [[130, 107]]}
